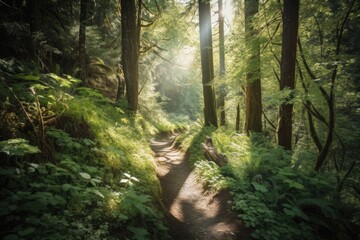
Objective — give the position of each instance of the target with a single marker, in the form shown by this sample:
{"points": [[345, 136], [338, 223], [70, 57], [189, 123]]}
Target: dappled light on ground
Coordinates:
{"points": [[193, 212]]}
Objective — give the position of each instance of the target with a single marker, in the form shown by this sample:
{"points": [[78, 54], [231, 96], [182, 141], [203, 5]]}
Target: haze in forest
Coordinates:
{"points": [[182, 119]]}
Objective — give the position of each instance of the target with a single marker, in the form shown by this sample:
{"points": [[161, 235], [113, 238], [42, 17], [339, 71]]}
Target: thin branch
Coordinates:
{"points": [[268, 120], [22, 108], [310, 72], [147, 9], [271, 38], [276, 75]]}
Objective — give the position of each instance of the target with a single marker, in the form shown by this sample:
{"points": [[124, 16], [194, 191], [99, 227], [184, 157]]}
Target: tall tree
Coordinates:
{"points": [[207, 65], [222, 88], [287, 69], [32, 17], [253, 104], [237, 120], [130, 40], [82, 39]]}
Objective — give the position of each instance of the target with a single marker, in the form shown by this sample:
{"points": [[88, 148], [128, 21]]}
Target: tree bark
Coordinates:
{"points": [[82, 40], [130, 37], [222, 88], [32, 16], [287, 68], [253, 104], [207, 67], [237, 121]]}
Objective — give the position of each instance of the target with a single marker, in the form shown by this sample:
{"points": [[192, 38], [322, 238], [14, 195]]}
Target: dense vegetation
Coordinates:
{"points": [[84, 86], [69, 163]]}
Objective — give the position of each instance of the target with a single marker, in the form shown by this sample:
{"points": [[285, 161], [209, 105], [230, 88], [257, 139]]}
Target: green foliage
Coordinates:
{"points": [[84, 189], [17, 147], [274, 193], [280, 201], [211, 174]]}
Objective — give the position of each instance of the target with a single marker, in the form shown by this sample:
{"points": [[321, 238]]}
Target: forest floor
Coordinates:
{"points": [[193, 213]]}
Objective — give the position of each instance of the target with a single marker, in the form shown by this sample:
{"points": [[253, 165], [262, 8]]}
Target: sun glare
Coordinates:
{"points": [[186, 57], [228, 10], [228, 13]]}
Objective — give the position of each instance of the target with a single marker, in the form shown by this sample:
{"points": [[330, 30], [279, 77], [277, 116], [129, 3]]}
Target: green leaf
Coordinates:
{"points": [[85, 175], [289, 212], [294, 184], [96, 180], [29, 77], [17, 147], [66, 187], [139, 233], [34, 165], [259, 187], [26, 231], [97, 192], [135, 179], [11, 237]]}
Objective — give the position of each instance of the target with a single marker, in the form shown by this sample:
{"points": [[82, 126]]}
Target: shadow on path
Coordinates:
{"points": [[193, 214]]}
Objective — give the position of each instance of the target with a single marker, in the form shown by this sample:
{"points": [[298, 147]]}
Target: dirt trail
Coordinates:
{"points": [[193, 213]]}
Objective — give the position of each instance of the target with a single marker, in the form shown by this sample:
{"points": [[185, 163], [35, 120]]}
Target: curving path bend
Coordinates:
{"points": [[193, 214]]}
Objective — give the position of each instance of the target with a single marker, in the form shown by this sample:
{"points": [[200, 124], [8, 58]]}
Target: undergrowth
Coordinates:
{"points": [[75, 165], [275, 193]]}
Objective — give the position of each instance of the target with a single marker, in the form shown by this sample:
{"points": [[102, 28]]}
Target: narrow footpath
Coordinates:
{"points": [[193, 214]]}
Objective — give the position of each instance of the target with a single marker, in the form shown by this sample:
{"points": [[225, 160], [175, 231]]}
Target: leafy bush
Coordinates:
{"points": [[274, 193]]}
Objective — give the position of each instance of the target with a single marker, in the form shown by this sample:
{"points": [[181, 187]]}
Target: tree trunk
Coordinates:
{"points": [[222, 89], [121, 87], [237, 121], [130, 37], [32, 17], [287, 78], [82, 40], [253, 104], [207, 67]]}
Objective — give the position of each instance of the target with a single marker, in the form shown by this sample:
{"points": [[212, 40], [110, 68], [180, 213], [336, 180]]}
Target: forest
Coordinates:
{"points": [[180, 119]]}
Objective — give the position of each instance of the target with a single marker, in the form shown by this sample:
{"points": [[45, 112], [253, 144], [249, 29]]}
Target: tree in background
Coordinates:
{"points": [[287, 70], [222, 88], [130, 40], [253, 104], [207, 67], [82, 40]]}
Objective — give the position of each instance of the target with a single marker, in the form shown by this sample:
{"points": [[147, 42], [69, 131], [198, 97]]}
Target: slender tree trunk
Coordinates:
{"points": [[32, 14], [207, 66], [307, 104], [82, 40], [130, 37], [222, 89], [287, 78], [313, 132], [32, 17], [121, 87], [237, 121], [331, 96], [253, 104]]}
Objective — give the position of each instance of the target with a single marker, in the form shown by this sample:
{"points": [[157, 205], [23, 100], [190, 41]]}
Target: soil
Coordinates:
{"points": [[193, 213]]}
